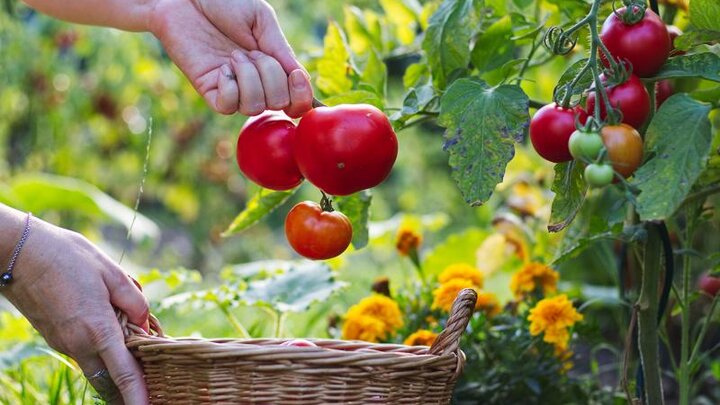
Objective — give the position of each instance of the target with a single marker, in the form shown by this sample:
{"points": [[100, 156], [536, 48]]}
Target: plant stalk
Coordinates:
{"points": [[647, 305], [234, 322], [685, 362]]}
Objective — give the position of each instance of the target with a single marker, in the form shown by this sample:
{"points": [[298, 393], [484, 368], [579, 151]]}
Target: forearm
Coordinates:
{"points": [[128, 15], [11, 227]]}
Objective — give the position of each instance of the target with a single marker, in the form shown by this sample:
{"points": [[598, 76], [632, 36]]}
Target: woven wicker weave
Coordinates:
{"points": [[260, 371]]}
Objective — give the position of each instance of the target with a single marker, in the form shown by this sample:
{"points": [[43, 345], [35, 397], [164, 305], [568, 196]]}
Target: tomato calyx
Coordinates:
{"points": [[326, 203], [634, 12]]}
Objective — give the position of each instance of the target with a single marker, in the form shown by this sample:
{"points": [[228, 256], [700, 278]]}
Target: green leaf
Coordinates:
{"points": [[39, 193], [482, 125], [416, 100], [403, 15], [174, 278], [355, 97], [494, 47], [569, 188], [294, 290], [705, 65], [356, 208], [375, 73], [333, 66], [457, 248], [361, 37], [448, 37], [567, 77], [263, 202], [415, 74], [16, 354], [705, 14], [678, 142], [696, 37]]}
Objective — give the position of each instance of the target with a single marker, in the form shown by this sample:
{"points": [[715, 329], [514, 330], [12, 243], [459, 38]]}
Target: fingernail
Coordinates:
{"points": [[240, 56], [298, 79], [225, 69]]}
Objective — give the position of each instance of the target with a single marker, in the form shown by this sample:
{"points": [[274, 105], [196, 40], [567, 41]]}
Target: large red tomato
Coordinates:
{"points": [[265, 151], [645, 44], [317, 234], [550, 130], [630, 97], [346, 148]]}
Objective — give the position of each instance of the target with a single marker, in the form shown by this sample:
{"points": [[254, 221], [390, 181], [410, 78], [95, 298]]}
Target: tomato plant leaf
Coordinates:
{"points": [[403, 15], [334, 65], [355, 97], [294, 290], [375, 73], [691, 38], [494, 47], [361, 33], [675, 161], [416, 100], [447, 39], [416, 74], [482, 125], [569, 188], [357, 207], [261, 204], [567, 77], [705, 65], [705, 14]]}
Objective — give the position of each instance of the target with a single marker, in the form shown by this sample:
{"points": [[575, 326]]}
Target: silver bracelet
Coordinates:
{"points": [[7, 277]]}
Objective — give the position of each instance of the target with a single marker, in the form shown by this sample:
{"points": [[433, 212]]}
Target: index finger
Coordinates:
{"points": [[124, 369]]}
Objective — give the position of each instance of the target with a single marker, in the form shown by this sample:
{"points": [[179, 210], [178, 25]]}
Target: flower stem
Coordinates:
{"points": [[647, 305], [234, 321]]}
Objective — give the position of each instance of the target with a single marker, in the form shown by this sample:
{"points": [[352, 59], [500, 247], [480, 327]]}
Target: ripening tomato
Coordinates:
{"points": [[624, 148], [317, 234], [345, 149], [663, 90], [645, 44], [585, 146], [709, 285], [630, 97], [550, 130], [265, 151]]}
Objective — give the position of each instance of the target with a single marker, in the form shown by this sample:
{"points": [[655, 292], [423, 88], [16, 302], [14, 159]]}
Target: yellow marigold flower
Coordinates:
{"points": [[525, 199], [552, 317], [534, 276], [488, 303], [380, 307], [462, 271], [407, 240], [421, 338], [364, 327], [444, 296]]}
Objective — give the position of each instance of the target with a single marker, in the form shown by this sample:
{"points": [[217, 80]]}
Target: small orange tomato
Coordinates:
{"points": [[624, 148], [317, 234]]}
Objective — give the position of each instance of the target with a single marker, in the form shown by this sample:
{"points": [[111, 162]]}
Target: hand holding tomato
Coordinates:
{"points": [[316, 233]]}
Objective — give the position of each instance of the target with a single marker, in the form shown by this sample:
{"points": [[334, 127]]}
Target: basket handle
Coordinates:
{"points": [[130, 329], [448, 341]]}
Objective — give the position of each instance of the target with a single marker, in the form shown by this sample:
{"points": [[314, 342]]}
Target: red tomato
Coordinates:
{"points": [[674, 32], [630, 97], [663, 90], [317, 234], [265, 151], [346, 148], [709, 285], [645, 44], [624, 148], [298, 343], [551, 128]]}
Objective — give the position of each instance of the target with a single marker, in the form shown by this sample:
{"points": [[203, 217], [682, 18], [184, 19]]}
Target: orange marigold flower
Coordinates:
{"points": [[373, 318], [488, 303], [533, 276], [444, 296], [407, 240], [462, 271], [553, 317], [421, 338]]}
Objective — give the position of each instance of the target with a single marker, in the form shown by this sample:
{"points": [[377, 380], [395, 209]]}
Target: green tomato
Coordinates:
{"points": [[598, 175], [585, 146]]}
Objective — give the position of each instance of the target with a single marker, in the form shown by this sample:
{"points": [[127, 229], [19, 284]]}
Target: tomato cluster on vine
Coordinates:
{"points": [[634, 43], [341, 150]]}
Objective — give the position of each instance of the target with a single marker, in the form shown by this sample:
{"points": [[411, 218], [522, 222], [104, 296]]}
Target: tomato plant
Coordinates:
{"points": [[645, 44], [346, 148], [316, 233], [585, 145], [629, 97], [265, 151], [551, 128], [598, 175]]}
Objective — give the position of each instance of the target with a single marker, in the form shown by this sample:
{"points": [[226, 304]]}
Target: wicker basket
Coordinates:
{"points": [[261, 371]]}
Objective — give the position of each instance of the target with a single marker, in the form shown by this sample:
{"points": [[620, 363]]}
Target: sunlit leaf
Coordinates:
{"points": [[403, 14], [375, 73], [675, 161], [334, 66], [355, 97], [457, 248], [360, 37], [705, 65], [494, 47], [262, 203], [569, 188], [356, 207], [705, 14], [483, 123]]}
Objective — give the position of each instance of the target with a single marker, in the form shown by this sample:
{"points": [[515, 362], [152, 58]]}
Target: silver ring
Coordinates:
{"points": [[104, 385]]}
